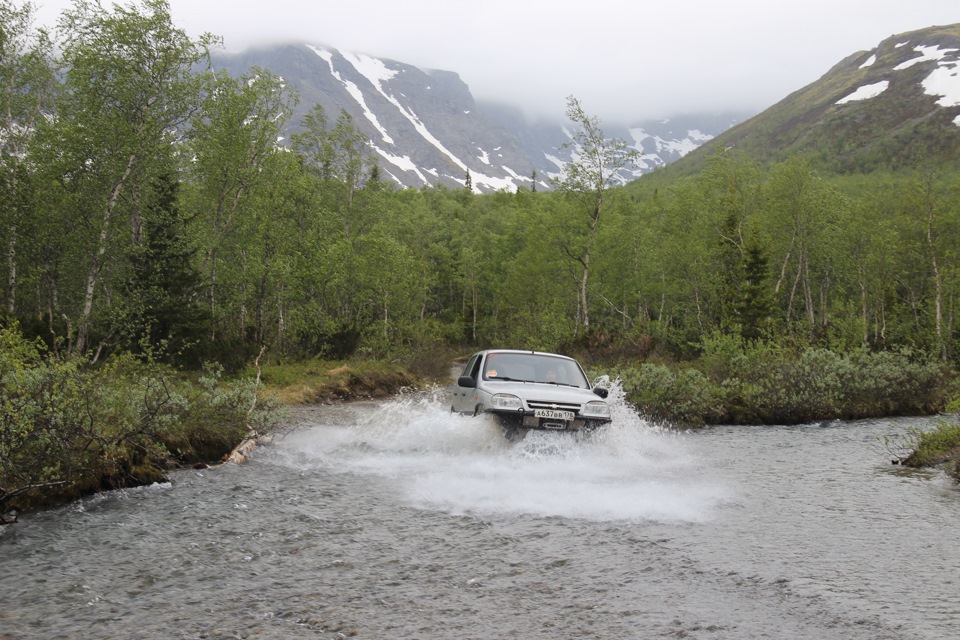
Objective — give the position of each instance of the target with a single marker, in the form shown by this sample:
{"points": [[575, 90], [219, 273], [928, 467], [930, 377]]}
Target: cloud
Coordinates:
{"points": [[624, 60]]}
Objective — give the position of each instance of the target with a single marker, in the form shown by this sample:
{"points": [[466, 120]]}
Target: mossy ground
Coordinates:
{"points": [[316, 381]]}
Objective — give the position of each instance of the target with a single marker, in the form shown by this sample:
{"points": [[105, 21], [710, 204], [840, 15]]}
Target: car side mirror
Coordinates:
{"points": [[602, 392], [466, 381]]}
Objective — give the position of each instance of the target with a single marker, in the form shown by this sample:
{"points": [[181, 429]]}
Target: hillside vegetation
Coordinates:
{"points": [[895, 130]]}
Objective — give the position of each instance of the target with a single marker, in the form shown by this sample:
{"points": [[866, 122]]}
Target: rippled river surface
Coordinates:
{"points": [[400, 520]]}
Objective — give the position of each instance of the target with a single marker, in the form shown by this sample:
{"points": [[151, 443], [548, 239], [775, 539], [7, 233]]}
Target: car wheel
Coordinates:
{"points": [[512, 433], [479, 409]]}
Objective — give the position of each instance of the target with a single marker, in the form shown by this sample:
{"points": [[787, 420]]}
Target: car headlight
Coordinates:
{"points": [[596, 409], [505, 401]]}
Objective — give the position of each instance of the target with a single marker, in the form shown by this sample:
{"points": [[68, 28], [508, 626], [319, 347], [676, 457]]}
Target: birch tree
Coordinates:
{"points": [[593, 170], [233, 138], [340, 155], [933, 220], [130, 86], [26, 86]]}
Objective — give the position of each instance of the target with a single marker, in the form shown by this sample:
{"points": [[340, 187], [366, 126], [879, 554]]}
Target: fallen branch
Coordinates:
{"points": [[245, 448]]}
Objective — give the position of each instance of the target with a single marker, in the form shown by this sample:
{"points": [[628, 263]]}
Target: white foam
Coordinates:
{"points": [[628, 470]]}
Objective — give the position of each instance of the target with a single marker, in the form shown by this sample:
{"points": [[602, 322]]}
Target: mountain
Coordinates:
{"points": [[426, 128], [879, 109]]}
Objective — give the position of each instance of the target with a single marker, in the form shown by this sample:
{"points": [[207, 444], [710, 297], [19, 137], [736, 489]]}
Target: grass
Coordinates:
{"points": [[314, 381], [940, 444]]}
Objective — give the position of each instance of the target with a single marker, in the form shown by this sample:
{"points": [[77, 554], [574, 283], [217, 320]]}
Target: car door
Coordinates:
{"points": [[463, 396]]}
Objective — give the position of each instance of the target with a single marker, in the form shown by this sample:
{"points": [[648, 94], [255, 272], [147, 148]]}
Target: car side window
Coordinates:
{"points": [[470, 365], [473, 367]]}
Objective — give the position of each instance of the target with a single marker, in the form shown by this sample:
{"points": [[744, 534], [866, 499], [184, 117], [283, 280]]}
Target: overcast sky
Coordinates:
{"points": [[625, 60]]}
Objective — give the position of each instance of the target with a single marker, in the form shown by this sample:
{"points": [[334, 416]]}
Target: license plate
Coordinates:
{"points": [[553, 414]]}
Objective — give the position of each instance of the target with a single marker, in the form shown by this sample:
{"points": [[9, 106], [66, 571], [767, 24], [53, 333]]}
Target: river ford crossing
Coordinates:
{"points": [[400, 520]]}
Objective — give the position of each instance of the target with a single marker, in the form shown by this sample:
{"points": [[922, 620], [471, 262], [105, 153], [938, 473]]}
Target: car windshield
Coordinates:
{"points": [[533, 367]]}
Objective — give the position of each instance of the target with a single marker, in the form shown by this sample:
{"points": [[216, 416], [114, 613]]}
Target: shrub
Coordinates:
{"points": [[940, 444], [41, 418], [216, 415], [685, 397], [787, 390], [67, 429], [896, 382], [762, 383]]}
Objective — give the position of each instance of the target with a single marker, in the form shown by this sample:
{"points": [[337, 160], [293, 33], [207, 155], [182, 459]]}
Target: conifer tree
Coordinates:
{"points": [[131, 82], [164, 287], [755, 303]]}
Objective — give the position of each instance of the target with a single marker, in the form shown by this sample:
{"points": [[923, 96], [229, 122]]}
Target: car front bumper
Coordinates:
{"points": [[527, 420]]}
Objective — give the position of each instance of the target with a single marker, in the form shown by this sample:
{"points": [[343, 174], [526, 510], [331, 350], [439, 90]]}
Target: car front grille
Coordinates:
{"points": [[563, 406]]}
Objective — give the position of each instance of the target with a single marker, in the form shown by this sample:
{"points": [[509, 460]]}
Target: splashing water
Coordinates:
{"points": [[404, 520], [435, 459]]}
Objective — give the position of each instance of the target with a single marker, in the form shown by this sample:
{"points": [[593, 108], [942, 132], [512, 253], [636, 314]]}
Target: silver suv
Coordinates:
{"points": [[530, 390]]}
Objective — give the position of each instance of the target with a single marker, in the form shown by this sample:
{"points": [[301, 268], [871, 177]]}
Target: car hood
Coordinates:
{"points": [[542, 392]]}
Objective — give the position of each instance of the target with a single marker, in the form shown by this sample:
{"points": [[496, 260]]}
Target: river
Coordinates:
{"points": [[399, 520]]}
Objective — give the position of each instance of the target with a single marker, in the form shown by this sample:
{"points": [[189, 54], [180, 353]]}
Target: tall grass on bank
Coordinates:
{"points": [[939, 445], [760, 383], [68, 429]]}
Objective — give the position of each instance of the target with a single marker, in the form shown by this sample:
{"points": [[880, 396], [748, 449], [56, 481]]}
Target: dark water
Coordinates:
{"points": [[399, 520]]}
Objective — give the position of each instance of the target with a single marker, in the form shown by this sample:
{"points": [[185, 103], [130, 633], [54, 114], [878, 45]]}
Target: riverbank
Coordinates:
{"points": [[68, 429], [820, 386], [937, 446], [317, 381], [762, 384], [151, 419]]}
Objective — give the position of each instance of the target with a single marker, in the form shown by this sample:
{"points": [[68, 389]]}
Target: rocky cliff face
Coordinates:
{"points": [[425, 127]]}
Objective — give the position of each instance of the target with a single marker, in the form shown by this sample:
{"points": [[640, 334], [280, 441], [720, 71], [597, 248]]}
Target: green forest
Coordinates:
{"points": [[149, 214]]}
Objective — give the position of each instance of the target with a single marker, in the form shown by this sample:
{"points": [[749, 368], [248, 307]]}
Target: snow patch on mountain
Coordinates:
{"points": [[866, 92], [377, 73], [944, 81], [424, 127], [675, 146], [354, 92], [926, 54]]}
